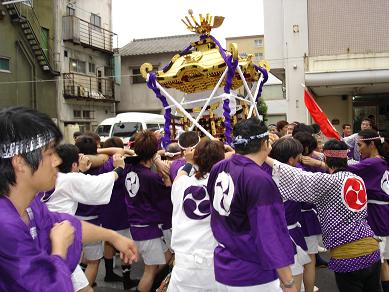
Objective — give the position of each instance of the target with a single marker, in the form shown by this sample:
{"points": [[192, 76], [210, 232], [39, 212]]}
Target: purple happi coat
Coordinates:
{"points": [[148, 202], [309, 222], [26, 263], [374, 172], [91, 211], [341, 203], [248, 222], [293, 217], [175, 166], [114, 215]]}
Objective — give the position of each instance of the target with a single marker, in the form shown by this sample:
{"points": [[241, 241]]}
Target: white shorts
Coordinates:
{"points": [[125, 232], [192, 280], [273, 286], [93, 251], [384, 247], [167, 237], [300, 259], [152, 251], [79, 279], [313, 243]]}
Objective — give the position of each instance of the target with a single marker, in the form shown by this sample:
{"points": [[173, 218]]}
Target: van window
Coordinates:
{"points": [[125, 129], [153, 126], [103, 130]]}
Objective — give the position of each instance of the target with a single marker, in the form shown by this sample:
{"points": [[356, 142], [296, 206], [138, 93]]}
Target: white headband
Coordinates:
{"points": [[240, 140], [171, 154], [25, 146], [192, 147]]}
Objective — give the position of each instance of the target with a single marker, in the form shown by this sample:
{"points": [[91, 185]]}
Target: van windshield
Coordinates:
{"points": [[153, 127], [126, 129], [103, 130]]}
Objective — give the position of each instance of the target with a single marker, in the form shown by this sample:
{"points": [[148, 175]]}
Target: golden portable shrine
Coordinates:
{"points": [[198, 72]]}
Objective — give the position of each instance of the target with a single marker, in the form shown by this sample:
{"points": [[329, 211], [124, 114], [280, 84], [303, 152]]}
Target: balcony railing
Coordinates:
{"points": [[81, 86], [82, 32]]}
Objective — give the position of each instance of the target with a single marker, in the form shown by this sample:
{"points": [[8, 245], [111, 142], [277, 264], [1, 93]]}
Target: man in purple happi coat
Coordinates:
{"points": [[254, 249], [38, 249]]}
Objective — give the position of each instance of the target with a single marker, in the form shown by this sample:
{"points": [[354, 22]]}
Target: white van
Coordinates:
{"points": [[124, 125]]}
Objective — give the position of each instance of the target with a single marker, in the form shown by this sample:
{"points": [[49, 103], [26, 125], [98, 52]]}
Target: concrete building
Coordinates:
{"points": [[134, 93], [338, 49], [252, 44], [27, 53], [85, 45], [272, 91]]}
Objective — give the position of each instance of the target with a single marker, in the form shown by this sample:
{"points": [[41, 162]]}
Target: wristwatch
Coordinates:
{"points": [[119, 170], [289, 284]]}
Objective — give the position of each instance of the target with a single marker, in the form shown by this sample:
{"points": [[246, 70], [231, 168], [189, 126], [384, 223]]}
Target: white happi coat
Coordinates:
{"points": [[192, 238]]}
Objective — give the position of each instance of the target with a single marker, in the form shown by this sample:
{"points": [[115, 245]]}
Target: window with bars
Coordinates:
{"points": [[86, 114], [258, 43], [77, 113], [77, 66], [4, 64], [136, 77], [92, 68], [95, 20]]}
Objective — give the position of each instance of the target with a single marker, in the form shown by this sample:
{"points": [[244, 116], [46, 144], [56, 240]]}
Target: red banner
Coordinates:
{"points": [[319, 116]]}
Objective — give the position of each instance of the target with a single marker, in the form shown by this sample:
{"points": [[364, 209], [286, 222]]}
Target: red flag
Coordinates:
{"points": [[319, 116]]}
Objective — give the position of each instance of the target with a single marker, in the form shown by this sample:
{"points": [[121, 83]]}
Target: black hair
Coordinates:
{"points": [[382, 147], [173, 148], [281, 124], [286, 148], [113, 142], [315, 128], [307, 140], [188, 139], [21, 124], [145, 145], [248, 128], [335, 162], [301, 127], [86, 145], [69, 154], [76, 134], [346, 125]]}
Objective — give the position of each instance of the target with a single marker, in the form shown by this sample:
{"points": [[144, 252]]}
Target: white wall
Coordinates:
{"points": [[286, 44], [336, 107]]}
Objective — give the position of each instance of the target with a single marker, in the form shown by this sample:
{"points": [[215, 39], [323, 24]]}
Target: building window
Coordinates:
{"points": [[4, 64], [136, 76], [258, 56], [95, 20], [92, 68], [70, 11], [77, 114], [86, 114], [77, 66], [258, 43]]}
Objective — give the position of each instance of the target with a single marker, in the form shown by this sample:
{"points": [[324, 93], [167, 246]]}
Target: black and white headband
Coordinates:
{"points": [[190, 147], [238, 140], [25, 146]]}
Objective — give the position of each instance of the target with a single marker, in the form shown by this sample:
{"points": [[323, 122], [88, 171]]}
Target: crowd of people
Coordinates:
{"points": [[202, 215]]}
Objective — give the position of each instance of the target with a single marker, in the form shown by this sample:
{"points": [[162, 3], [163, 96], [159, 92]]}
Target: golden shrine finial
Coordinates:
{"points": [[205, 24]]}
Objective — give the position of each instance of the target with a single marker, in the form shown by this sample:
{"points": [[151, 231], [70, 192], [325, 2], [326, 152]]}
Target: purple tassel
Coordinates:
{"points": [[265, 77], [151, 83]]}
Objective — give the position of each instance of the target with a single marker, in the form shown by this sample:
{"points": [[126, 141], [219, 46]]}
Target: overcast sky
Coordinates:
{"points": [[155, 18]]}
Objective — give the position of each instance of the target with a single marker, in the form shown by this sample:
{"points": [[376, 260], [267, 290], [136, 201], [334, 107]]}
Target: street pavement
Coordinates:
{"points": [[325, 278]]}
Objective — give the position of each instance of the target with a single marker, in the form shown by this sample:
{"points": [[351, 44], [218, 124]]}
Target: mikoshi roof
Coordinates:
{"points": [[158, 45]]}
